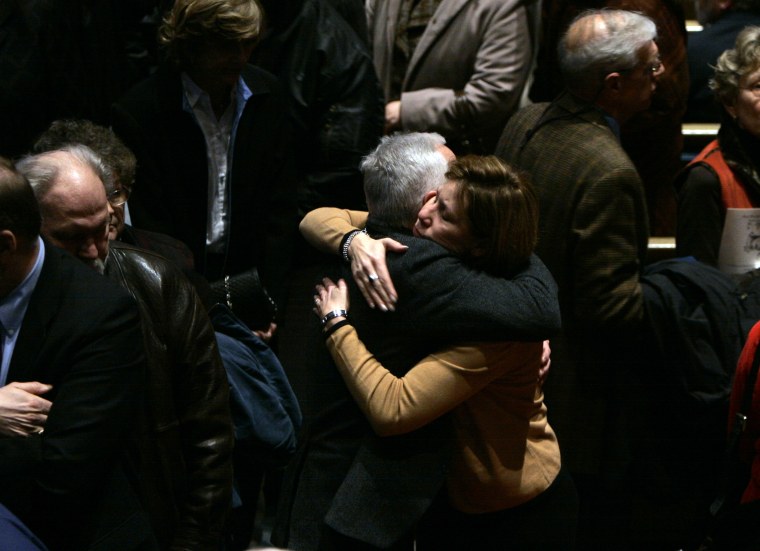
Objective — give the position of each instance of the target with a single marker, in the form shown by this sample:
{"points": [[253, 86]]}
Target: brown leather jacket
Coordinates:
{"points": [[185, 443]]}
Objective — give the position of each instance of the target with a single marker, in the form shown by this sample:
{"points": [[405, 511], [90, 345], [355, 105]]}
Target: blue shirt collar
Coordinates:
{"points": [[613, 124], [13, 307]]}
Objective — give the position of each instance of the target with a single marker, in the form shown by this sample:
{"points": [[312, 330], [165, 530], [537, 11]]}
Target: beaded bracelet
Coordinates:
{"points": [[347, 243]]}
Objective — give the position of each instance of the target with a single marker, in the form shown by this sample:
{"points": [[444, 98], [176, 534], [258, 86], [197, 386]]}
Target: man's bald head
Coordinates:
{"points": [[70, 186]]}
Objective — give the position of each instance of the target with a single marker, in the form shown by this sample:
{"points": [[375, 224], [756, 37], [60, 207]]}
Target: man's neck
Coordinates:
{"points": [[378, 224], [620, 116], [19, 267], [220, 93]]}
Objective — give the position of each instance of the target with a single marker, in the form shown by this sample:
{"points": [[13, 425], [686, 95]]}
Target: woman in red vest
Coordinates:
{"points": [[726, 174]]}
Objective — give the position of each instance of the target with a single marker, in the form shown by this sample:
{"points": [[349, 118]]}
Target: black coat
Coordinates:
{"points": [[171, 186], [375, 489], [186, 444], [81, 334], [335, 98]]}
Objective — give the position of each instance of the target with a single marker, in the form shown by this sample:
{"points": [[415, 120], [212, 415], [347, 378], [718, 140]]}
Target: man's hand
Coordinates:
{"points": [[22, 410], [370, 270], [267, 335], [546, 362], [392, 116]]}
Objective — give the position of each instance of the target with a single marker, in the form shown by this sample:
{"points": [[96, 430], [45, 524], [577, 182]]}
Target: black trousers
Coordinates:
{"points": [[547, 522]]}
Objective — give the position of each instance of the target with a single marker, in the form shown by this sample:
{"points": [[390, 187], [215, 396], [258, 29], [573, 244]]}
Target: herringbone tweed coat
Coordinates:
{"points": [[593, 239]]}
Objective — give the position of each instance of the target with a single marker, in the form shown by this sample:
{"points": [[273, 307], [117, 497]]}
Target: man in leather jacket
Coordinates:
{"points": [[335, 101], [184, 441]]}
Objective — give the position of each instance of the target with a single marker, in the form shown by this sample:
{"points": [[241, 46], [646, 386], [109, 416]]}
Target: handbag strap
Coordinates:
{"points": [[740, 423]]}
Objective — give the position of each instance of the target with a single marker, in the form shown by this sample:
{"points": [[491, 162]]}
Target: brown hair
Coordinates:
{"points": [[501, 209], [100, 139], [191, 21]]}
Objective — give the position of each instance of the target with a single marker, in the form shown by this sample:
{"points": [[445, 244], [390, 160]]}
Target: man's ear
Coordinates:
{"points": [[429, 195], [613, 82], [8, 242]]}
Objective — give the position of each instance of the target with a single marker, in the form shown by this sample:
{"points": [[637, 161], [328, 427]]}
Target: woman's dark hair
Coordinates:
{"points": [[501, 210]]}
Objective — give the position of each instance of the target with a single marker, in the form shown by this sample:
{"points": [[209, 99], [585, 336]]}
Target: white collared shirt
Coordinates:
{"points": [[220, 140]]}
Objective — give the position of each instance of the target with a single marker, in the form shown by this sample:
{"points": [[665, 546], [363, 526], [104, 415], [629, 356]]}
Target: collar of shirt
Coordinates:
{"points": [[13, 308], [195, 97], [613, 124], [193, 93], [243, 94]]}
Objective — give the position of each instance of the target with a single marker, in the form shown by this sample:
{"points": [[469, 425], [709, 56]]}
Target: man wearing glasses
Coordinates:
{"points": [[123, 164], [594, 232], [183, 437]]}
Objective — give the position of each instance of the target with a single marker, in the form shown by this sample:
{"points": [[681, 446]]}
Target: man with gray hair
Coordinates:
{"points": [[348, 488], [400, 171], [594, 235], [183, 440]]}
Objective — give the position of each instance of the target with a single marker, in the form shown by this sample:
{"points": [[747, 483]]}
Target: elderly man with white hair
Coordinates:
{"points": [[594, 231]]}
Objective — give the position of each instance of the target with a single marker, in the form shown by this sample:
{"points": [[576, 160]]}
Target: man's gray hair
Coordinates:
{"points": [[587, 54], [399, 172], [42, 170]]}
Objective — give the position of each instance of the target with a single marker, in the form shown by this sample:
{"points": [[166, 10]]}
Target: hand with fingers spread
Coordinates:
{"points": [[22, 409], [371, 271], [331, 302]]}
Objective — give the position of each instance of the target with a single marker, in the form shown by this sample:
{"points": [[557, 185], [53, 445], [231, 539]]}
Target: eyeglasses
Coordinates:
{"points": [[654, 67], [118, 196], [650, 68]]}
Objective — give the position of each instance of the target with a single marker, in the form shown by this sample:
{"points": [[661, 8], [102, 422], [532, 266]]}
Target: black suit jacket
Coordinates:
{"points": [[171, 186], [375, 489], [81, 334]]}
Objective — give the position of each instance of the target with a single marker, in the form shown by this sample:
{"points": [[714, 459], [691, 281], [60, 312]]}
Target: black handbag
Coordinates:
{"points": [[735, 526], [245, 295]]}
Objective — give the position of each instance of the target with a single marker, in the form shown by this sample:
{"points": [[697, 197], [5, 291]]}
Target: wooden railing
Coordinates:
{"points": [[696, 135], [660, 248]]}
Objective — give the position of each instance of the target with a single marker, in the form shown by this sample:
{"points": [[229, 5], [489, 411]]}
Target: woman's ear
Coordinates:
{"points": [[730, 109], [479, 248]]}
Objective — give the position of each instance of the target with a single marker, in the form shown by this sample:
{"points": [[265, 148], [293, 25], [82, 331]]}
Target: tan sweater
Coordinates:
{"points": [[506, 451], [324, 228]]}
